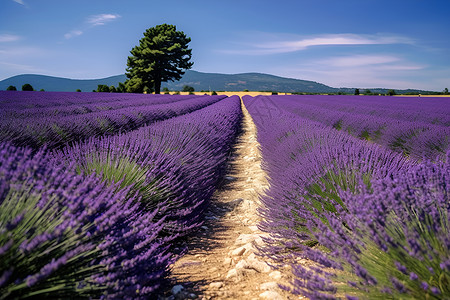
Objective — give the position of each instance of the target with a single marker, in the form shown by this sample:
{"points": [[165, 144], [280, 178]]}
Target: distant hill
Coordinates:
{"points": [[198, 80], [58, 84]]}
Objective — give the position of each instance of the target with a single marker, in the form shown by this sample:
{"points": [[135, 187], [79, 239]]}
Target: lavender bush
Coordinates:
{"points": [[68, 236], [392, 242]]}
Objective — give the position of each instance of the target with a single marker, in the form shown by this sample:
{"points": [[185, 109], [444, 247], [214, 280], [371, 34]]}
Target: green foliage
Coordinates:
{"points": [[102, 88], [121, 88], [381, 264], [245, 90], [27, 87], [42, 90], [187, 88], [127, 172], [166, 91], [162, 55], [367, 92], [78, 90], [391, 93], [445, 91], [213, 93], [22, 201], [356, 91], [11, 88], [112, 89]]}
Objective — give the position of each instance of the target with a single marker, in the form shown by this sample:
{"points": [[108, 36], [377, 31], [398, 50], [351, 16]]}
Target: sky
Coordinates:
{"points": [[395, 44]]}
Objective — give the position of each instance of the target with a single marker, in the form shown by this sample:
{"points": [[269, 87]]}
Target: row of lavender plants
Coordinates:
{"points": [[98, 219], [417, 127], [54, 131], [13, 100], [354, 219], [38, 105]]}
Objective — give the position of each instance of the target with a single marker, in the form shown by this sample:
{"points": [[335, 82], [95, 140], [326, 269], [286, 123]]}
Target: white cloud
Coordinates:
{"points": [[359, 60], [8, 38], [273, 45], [101, 19], [91, 21], [363, 71], [19, 1], [73, 33]]}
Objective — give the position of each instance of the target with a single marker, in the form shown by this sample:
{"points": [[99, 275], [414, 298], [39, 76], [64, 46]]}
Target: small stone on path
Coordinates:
{"points": [[270, 295], [177, 289]]}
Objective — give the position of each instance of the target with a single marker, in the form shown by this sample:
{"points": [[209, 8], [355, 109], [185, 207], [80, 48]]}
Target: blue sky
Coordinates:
{"points": [[342, 43]]}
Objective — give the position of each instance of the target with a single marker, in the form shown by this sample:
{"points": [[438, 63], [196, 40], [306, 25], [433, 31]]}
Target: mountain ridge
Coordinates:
{"points": [[199, 80]]}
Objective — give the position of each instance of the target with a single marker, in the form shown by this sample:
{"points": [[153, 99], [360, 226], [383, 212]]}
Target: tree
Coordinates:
{"points": [[162, 55], [11, 88], [356, 91], [367, 92], [187, 88], [446, 91], [78, 90], [112, 89], [391, 93], [27, 87], [166, 90], [121, 88], [103, 88]]}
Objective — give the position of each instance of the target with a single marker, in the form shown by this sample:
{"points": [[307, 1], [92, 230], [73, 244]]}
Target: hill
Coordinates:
{"points": [[58, 84], [199, 80]]}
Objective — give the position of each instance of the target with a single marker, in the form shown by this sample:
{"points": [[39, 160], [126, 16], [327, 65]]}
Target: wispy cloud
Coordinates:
{"points": [[273, 45], [20, 2], [4, 38], [73, 33], [101, 19], [364, 71], [359, 60], [92, 21]]}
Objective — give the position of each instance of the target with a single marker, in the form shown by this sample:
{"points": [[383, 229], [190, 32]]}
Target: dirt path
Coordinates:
{"points": [[221, 263]]}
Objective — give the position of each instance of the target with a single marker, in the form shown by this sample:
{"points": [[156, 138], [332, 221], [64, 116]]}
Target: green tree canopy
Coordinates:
{"points": [[162, 55], [27, 87], [102, 88], [391, 93], [11, 88], [188, 88], [356, 91]]}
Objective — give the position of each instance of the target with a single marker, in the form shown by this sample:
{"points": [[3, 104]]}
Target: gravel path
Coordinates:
{"points": [[221, 262]]}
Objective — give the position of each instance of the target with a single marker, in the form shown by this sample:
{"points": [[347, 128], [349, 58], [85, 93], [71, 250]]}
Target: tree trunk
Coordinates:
{"points": [[158, 86]]}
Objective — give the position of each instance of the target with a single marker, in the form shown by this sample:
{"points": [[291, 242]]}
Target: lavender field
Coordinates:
{"points": [[98, 189], [360, 189]]}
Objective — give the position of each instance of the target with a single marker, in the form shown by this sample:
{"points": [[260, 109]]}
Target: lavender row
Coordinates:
{"points": [[348, 205], [177, 161], [417, 109], [391, 242], [101, 216], [64, 235], [55, 131], [418, 137], [11, 108], [15, 100]]}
